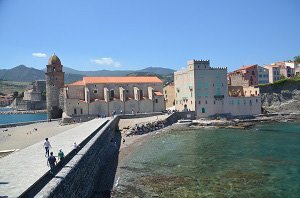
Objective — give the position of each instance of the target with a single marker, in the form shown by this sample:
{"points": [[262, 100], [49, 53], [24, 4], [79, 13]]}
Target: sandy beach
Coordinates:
{"points": [[23, 136], [16, 138]]}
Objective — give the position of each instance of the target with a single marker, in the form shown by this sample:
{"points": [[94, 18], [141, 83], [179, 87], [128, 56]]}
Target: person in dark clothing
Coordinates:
{"points": [[51, 162]]}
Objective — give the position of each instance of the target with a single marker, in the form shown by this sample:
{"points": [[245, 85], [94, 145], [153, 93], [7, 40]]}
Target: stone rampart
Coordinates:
{"points": [[77, 178]]}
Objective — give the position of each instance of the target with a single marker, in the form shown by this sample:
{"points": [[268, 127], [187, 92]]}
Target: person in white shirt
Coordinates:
{"points": [[47, 147], [75, 147]]}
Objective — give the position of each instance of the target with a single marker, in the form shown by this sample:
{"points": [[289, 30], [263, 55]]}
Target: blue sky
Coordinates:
{"points": [[134, 34]]}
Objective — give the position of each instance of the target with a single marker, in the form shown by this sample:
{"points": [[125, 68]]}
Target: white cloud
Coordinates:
{"points": [[39, 55], [106, 61]]}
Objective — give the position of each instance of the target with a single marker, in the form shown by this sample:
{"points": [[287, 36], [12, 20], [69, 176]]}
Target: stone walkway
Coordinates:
{"points": [[19, 170]]}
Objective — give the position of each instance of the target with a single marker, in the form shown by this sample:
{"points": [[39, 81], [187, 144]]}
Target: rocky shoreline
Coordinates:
{"points": [[22, 112], [244, 123]]}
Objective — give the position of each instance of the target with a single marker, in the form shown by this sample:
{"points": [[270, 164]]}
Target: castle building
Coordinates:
{"points": [[54, 85], [105, 95], [204, 89], [169, 94]]}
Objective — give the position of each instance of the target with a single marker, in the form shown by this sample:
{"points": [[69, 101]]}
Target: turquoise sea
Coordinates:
{"points": [[260, 162], [15, 118]]}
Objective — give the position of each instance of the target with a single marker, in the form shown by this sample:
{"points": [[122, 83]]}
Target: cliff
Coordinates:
{"points": [[282, 96]]}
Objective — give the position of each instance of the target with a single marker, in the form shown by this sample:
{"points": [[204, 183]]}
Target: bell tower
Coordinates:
{"points": [[54, 83]]}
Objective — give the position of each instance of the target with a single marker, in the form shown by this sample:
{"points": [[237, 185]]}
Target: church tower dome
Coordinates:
{"points": [[54, 60]]}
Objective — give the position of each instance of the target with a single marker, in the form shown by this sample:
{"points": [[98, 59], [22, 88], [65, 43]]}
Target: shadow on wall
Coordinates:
{"points": [[106, 175]]}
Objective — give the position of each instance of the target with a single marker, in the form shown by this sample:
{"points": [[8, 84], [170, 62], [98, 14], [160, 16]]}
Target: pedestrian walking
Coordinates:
{"points": [[60, 155], [75, 147], [51, 162], [47, 146]]}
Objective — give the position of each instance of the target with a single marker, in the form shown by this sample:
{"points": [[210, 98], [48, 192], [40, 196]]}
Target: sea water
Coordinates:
{"points": [[260, 162], [15, 118]]}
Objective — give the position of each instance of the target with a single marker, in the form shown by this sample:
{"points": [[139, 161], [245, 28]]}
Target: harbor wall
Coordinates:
{"points": [[77, 177]]}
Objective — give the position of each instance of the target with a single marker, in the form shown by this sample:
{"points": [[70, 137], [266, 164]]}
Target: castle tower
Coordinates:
{"points": [[54, 82]]}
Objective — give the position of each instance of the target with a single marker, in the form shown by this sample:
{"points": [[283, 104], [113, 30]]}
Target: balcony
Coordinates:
{"points": [[219, 97]]}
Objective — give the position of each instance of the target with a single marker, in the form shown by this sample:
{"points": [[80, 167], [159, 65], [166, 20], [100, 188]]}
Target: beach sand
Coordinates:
{"points": [[23, 136]]}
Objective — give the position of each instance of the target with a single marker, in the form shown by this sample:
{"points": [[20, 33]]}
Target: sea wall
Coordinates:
{"points": [[77, 178], [84, 118], [174, 117]]}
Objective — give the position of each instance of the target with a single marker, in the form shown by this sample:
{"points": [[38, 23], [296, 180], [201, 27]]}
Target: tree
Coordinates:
{"points": [[282, 76], [297, 59]]}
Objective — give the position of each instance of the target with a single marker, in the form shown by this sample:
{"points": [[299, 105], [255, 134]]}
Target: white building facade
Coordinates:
{"points": [[204, 89], [274, 73]]}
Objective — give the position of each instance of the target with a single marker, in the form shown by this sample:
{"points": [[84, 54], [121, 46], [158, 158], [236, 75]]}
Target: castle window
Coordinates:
{"points": [[205, 101], [156, 101], [256, 101], [112, 94], [81, 111], [95, 91], [95, 85], [54, 69], [191, 102], [214, 102], [141, 94], [75, 111], [199, 102]]}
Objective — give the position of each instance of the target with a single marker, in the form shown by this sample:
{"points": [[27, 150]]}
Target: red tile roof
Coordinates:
{"points": [[77, 83], [127, 79], [247, 67]]}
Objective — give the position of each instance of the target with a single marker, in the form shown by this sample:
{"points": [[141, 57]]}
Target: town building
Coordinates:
{"points": [[108, 95], [169, 95], [6, 100], [263, 75], [204, 89], [286, 68], [274, 72], [245, 76]]}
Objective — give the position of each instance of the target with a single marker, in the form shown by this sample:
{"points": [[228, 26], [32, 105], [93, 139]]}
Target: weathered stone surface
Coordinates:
{"points": [[284, 98]]}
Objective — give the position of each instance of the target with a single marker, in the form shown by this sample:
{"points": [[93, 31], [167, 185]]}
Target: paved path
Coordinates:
{"points": [[19, 170]]}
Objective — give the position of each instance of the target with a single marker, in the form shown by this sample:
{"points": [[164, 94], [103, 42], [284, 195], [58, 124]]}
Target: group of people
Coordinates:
{"points": [[51, 161]]}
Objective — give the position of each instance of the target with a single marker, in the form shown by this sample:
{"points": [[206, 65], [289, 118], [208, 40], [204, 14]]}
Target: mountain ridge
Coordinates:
{"points": [[22, 73]]}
